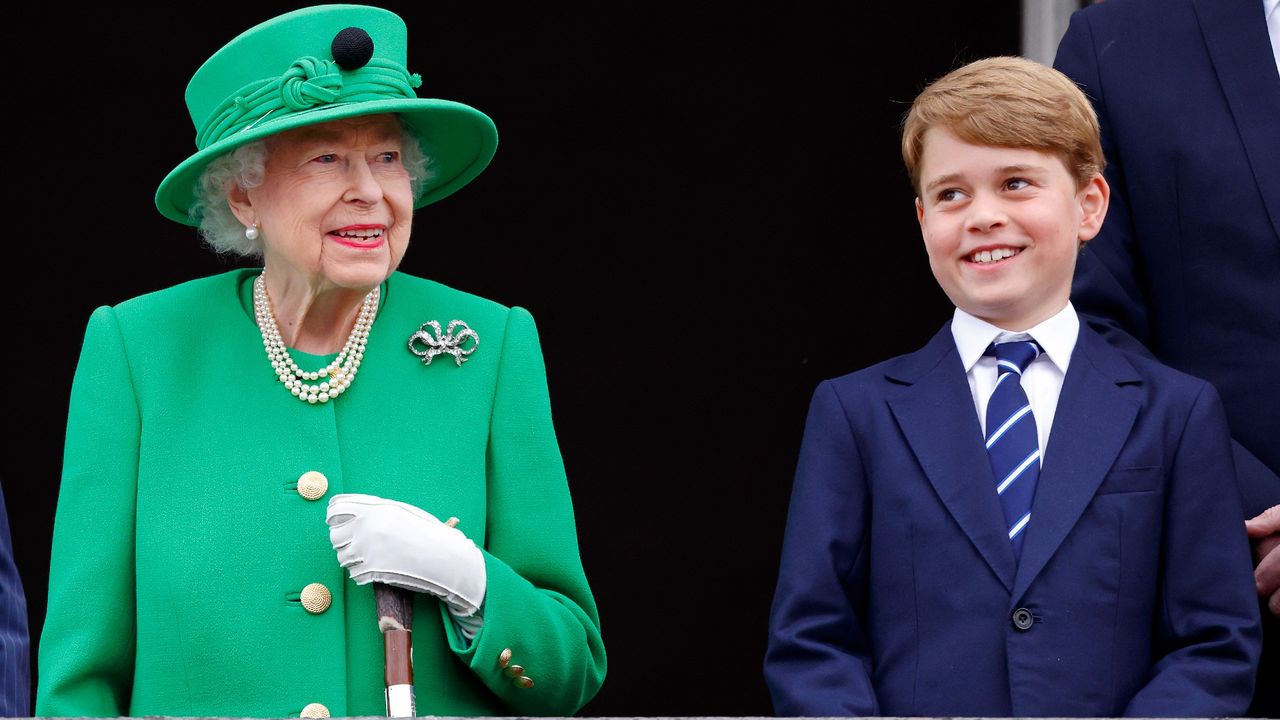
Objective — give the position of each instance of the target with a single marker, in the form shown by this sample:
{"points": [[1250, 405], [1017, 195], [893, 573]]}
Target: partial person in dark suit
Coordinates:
{"points": [[1187, 265], [15, 658]]}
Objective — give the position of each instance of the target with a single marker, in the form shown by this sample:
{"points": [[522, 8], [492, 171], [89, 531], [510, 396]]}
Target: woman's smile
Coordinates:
{"points": [[361, 237]]}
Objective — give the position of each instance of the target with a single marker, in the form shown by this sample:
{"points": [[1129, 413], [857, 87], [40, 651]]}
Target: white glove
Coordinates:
{"points": [[398, 544]]}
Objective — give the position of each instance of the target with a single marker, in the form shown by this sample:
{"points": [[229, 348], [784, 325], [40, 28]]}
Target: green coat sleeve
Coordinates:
{"points": [[538, 604], [87, 646]]}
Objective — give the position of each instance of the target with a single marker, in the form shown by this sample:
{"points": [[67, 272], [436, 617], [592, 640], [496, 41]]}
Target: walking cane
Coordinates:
{"points": [[395, 622]]}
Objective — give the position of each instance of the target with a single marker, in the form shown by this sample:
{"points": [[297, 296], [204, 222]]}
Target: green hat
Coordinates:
{"points": [[311, 66]]}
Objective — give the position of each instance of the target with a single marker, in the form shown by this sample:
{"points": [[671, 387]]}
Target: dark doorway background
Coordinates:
{"points": [[701, 203]]}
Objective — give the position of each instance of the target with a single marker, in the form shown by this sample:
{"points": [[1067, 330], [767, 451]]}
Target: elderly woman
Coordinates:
{"points": [[217, 425]]}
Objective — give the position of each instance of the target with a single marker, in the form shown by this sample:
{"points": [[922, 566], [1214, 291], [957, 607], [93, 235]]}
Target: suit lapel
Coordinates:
{"points": [[936, 414], [1090, 426], [1235, 33]]}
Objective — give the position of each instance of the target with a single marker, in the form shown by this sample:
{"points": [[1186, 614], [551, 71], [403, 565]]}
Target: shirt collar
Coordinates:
{"points": [[1057, 336]]}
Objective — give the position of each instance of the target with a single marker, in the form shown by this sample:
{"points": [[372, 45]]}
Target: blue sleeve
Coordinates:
{"points": [[15, 657], [818, 661]]}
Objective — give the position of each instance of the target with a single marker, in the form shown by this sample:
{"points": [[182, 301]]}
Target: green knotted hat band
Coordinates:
{"points": [[310, 82], [313, 66]]}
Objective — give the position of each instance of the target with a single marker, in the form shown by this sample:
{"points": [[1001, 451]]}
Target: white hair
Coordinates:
{"points": [[246, 166]]}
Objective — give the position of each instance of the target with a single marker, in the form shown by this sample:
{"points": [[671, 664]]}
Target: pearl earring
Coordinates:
{"points": [[251, 232]]}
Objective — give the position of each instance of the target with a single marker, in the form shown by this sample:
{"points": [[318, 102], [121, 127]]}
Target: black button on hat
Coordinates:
{"points": [[352, 48]]}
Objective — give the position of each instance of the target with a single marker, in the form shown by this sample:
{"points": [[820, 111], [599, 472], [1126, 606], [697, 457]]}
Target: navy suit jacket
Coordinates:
{"points": [[15, 662], [898, 581], [1188, 261]]}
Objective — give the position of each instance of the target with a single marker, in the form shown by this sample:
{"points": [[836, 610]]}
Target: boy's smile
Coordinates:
{"points": [[1002, 227]]}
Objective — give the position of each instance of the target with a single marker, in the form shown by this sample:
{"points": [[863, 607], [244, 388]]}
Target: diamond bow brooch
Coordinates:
{"points": [[430, 341]]}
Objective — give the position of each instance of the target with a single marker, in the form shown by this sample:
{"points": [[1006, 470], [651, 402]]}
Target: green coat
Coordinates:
{"points": [[181, 542]]}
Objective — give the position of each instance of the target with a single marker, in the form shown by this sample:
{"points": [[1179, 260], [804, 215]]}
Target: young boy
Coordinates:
{"points": [[1016, 519]]}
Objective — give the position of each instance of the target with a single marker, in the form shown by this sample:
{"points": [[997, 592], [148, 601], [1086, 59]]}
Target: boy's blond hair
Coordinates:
{"points": [[1008, 102]]}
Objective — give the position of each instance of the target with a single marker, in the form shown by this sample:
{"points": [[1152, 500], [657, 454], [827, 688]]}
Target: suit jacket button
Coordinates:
{"points": [[316, 598], [313, 485], [314, 710], [514, 671], [524, 682], [504, 658], [1022, 619]]}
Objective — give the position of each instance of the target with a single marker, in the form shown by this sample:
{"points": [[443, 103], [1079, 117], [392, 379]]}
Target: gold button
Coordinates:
{"points": [[515, 671], [313, 485], [316, 598], [524, 683], [504, 659], [315, 710]]}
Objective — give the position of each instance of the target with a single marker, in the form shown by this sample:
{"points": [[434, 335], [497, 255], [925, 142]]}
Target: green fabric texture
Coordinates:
{"points": [[181, 543], [281, 75]]}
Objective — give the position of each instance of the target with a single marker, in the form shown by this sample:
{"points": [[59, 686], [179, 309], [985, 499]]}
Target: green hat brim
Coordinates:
{"points": [[458, 140]]}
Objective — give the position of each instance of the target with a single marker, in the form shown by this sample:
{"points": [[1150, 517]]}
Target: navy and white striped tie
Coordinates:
{"points": [[1012, 442]]}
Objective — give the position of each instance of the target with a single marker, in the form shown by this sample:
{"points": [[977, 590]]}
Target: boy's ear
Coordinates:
{"points": [[1094, 199], [920, 212]]}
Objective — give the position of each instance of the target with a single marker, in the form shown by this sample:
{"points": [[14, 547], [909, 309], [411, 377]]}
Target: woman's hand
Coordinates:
{"points": [[391, 542]]}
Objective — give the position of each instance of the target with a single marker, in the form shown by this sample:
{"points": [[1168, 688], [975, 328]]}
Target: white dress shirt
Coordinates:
{"points": [[1272, 9], [1042, 380]]}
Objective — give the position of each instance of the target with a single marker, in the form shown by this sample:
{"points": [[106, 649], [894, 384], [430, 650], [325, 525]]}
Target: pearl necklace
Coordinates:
{"points": [[337, 376]]}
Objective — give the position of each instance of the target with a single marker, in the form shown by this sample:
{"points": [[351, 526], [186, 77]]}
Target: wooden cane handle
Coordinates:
{"points": [[394, 604], [395, 620]]}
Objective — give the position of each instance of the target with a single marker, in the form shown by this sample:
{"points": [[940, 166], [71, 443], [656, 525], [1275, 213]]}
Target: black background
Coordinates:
{"points": [[701, 203]]}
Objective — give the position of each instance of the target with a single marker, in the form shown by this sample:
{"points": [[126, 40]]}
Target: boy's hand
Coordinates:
{"points": [[1265, 528]]}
